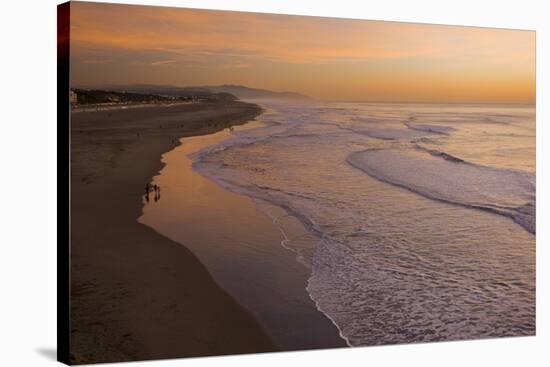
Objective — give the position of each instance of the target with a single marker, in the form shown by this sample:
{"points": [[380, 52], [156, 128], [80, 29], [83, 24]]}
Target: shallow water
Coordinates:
{"points": [[393, 265], [423, 214], [239, 241]]}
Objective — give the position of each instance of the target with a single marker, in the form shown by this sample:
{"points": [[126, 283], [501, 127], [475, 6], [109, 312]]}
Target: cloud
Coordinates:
{"points": [[97, 62], [131, 43], [234, 66], [163, 62]]}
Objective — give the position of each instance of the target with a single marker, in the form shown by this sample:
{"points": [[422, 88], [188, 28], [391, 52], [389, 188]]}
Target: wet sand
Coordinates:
{"points": [[240, 242], [136, 294]]}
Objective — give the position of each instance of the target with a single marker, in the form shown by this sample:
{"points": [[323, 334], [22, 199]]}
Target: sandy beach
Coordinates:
{"points": [[134, 293], [245, 244], [247, 182]]}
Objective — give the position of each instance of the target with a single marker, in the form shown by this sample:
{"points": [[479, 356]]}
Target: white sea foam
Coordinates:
{"points": [[438, 129], [447, 178], [394, 265]]}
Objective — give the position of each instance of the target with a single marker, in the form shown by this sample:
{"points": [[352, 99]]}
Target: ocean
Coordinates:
{"points": [[422, 215]]}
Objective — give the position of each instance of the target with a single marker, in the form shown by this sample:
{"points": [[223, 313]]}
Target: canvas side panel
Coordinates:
{"points": [[63, 200]]}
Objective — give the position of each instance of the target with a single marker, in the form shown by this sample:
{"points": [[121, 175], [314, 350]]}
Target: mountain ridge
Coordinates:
{"points": [[239, 91]]}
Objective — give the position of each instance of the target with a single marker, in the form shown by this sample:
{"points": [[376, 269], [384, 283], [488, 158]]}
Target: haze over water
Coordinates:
{"points": [[424, 213]]}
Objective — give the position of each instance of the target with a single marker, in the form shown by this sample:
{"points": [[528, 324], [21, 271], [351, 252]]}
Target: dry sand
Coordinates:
{"points": [[134, 293]]}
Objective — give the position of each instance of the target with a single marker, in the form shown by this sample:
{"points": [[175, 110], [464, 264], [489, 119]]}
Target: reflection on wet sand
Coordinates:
{"points": [[241, 247]]}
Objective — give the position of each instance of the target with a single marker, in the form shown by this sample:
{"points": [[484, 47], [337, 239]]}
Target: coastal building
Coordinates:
{"points": [[73, 97]]}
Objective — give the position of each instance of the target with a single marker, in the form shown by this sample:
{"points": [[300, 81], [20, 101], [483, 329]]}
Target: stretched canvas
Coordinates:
{"points": [[244, 182]]}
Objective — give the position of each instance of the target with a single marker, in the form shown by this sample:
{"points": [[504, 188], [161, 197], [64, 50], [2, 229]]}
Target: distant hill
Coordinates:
{"points": [[95, 96], [159, 90], [238, 91], [145, 95]]}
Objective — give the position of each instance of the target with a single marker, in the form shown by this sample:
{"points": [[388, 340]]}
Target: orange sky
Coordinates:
{"points": [[321, 57]]}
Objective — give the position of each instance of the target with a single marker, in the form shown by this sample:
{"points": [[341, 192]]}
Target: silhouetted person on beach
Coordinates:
{"points": [[157, 193], [147, 190]]}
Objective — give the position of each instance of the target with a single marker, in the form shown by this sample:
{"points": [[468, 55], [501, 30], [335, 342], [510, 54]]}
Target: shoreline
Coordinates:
{"points": [[306, 223], [135, 294], [245, 252]]}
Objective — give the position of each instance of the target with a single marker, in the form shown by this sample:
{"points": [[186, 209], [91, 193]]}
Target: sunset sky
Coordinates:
{"points": [[324, 58]]}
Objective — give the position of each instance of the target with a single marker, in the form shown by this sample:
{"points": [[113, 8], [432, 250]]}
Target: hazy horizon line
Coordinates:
{"points": [[107, 86]]}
